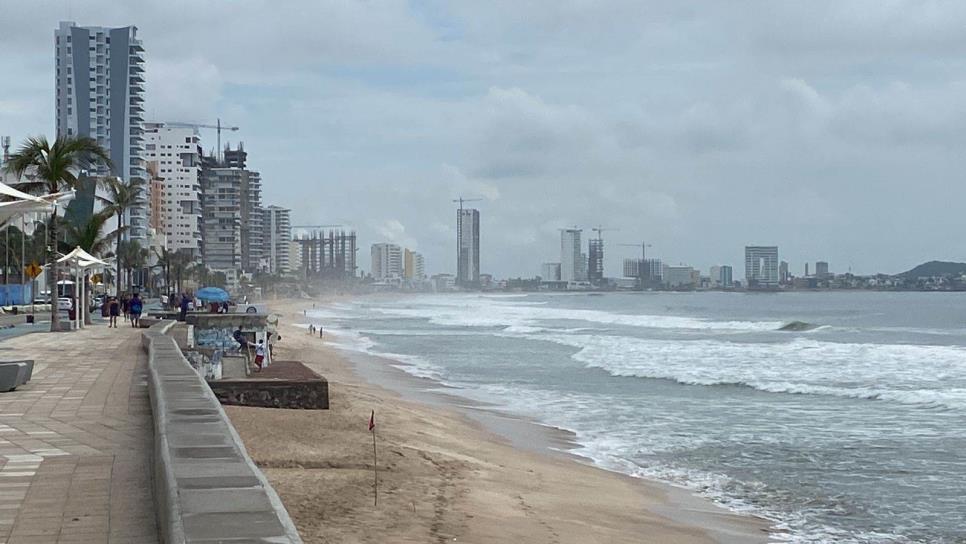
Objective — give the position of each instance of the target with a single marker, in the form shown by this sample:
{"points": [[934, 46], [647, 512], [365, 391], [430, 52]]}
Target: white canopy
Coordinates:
{"points": [[81, 258], [28, 203], [20, 195]]}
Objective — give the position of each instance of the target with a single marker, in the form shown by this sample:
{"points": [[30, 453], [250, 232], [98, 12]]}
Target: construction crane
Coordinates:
{"points": [[643, 268], [217, 127], [461, 200], [600, 231]]}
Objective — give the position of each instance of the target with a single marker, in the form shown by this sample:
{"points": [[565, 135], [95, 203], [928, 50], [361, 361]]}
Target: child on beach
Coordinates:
{"points": [[259, 355]]}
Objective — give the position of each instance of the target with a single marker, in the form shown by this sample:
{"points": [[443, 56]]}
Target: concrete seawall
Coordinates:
{"points": [[207, 489]]}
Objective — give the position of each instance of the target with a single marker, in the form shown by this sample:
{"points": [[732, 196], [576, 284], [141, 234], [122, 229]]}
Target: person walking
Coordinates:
{"points": [[125, 306], [135, 307], [259, 355], [114, 311], [184, 307]]}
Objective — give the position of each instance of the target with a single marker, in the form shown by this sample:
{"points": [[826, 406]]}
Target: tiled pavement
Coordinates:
{"points": [[76, 442]]}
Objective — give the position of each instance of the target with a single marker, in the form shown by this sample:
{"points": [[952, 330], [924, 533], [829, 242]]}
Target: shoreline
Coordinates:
{"points": [[486, 475]]}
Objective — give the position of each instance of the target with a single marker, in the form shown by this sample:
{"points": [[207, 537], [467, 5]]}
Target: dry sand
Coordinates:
{"points": [[444, 478]]}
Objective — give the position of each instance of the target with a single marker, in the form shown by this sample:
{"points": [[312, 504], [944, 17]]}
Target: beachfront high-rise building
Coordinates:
{"points": [[821, 269], [595, 260], [173, 158], [387, 261], [632, 268], [784, 276], [715, 276], [654, 270], [99, 75], [573, 265], [468, 240], [278, 234], [761, 267], [550, 272], [232, 226], [726, 279], [680, 277], [414, 267], [330, 255]]}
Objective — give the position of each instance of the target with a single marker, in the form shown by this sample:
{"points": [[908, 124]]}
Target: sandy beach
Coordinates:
{"points": [[444, 477]]}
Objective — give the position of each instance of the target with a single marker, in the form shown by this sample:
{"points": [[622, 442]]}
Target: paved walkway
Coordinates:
{"points": [[76, 442]]}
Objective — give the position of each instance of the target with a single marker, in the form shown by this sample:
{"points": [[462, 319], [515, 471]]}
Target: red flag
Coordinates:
{"points": [[372, 420]]}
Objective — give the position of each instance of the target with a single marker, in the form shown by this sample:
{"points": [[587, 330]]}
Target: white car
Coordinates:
{"points": [[64, 303]]}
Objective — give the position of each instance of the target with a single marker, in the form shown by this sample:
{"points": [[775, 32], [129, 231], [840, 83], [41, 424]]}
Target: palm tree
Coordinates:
{"points": [[131, 256], [121, 195], [173, 261], [55, 167], [91, 238]]}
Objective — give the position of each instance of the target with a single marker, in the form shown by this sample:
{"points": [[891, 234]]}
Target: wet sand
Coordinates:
{"points": [[444, 472]]}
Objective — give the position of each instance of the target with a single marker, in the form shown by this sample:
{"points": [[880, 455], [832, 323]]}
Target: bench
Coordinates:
{"points": [[15, 374], [28, 362]]}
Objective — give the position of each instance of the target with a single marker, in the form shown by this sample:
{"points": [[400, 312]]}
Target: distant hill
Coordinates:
{"points": [[935, 268]]}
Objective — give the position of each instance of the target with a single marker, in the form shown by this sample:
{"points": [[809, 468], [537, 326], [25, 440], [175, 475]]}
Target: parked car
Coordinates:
{"points": [[64, 303]]}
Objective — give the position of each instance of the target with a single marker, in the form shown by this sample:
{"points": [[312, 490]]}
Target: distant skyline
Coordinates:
{"points": [[831, 129]]}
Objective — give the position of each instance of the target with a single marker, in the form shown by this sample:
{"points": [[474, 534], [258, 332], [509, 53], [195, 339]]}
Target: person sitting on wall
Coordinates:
{"points": [[239, 337]]}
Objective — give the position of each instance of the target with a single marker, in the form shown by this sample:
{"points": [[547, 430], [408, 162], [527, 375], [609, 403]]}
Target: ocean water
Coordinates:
{"points": [[852, 432]]}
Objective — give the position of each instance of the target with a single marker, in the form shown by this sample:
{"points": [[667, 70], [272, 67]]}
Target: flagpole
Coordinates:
{"points": [[375, 466]]}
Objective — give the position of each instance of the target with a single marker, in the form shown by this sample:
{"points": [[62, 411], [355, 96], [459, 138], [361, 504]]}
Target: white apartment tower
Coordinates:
{"points": [[573, 264], [278, 234], [173, 157], [761, 267], [387, 261], [99, 76]]}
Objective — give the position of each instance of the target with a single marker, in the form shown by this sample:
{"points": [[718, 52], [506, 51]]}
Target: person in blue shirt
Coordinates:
{"points": [[184, 306], [135, 308]]}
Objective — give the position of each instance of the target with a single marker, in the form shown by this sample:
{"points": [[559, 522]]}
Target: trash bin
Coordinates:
{"points": [[72, 314]]}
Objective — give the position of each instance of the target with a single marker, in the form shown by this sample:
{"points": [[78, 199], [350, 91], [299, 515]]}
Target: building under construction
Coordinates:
{"points": [[595, 258], [326, 254]]}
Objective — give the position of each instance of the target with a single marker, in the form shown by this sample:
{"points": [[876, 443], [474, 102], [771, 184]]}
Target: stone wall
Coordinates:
{"points": [[285, 384], [207, 489]]}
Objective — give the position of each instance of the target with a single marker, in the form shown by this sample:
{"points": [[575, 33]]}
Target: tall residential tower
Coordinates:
{"points": [[761, 267], [99, 77], [573, 263], [173, 158], [278, 235], [468, 240]]}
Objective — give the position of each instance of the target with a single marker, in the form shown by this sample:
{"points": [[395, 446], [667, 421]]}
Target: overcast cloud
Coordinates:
{"points": [[835, 130]]}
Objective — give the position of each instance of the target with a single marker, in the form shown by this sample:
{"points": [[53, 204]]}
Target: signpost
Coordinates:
{"points": [[32, 270]]}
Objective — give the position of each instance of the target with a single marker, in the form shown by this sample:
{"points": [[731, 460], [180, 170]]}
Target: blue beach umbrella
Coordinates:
{"points": [[212, 294]]}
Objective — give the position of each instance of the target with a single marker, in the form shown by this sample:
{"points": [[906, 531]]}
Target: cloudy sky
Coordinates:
{"points": [[835, 130]]}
